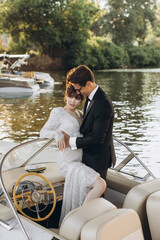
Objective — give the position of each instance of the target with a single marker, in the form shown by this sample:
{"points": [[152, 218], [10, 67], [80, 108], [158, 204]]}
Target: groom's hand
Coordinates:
{"points": [[66, 137]]}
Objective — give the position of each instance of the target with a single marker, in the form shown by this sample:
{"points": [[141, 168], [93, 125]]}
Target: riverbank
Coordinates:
{"points": [[43, 63]]}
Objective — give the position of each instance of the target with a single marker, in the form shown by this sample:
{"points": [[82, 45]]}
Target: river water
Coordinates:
{"points": [[136, 98]]}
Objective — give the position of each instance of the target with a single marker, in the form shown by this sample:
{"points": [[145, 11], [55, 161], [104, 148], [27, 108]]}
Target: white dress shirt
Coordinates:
{"points": [[72, 140]]}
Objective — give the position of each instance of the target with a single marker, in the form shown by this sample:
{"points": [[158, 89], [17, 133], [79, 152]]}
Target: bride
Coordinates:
{"points": [[82, 183]]}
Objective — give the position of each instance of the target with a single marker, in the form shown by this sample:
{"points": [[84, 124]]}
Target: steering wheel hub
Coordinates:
{"points": [[35, 196]]}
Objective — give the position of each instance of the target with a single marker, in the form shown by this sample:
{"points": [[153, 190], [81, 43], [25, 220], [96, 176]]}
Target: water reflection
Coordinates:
{"points": [[136, 98]]}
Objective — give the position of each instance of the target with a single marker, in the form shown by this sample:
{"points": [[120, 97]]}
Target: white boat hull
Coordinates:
{"points": [[17, 85]]}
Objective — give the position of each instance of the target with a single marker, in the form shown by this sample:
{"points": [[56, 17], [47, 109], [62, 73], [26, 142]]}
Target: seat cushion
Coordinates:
{"points": [[136, 199], [74, 221], [153, 213], [116, 224]]}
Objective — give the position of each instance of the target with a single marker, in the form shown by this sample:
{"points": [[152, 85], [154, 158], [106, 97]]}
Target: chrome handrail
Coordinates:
{"points": [[125, 161], [11, 204]]}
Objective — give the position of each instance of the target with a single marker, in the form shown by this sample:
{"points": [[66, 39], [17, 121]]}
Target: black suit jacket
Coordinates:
{"points": [[96, 127]]}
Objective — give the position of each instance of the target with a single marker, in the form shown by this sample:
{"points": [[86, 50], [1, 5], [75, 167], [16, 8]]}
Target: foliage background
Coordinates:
{"points": [[124, 33]]}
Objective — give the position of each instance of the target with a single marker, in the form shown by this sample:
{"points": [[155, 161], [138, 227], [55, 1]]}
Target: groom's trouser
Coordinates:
{"points": [[103, 173]]}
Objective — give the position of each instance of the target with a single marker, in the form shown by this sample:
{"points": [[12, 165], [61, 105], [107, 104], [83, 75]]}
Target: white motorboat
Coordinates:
{"points": [[12, 84], [16, 85], [31, 197], [11, 75]]}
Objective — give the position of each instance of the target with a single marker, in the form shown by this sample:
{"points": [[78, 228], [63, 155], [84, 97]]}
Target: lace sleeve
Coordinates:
{"points": [[51, 127]]}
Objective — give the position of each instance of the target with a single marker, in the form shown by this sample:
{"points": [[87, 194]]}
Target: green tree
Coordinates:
{"points": [[157, 21], [49, 24], [78, 19], [127, 20]]}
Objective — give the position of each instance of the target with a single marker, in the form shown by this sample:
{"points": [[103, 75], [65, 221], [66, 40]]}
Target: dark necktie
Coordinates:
{"points": [[85, 105]]}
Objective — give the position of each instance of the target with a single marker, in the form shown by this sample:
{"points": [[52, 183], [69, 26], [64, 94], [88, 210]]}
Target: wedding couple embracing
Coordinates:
{"points": [[84, 139]]}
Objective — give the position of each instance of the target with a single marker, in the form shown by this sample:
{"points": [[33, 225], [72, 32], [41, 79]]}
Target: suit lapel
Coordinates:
{"points": [[91, 104], [88, 109]]}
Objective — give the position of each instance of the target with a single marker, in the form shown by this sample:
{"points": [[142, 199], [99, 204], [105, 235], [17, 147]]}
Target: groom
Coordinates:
{"points": [[97, 123]]}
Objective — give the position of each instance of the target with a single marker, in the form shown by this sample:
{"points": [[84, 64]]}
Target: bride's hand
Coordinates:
{"points": [[61, 144]]}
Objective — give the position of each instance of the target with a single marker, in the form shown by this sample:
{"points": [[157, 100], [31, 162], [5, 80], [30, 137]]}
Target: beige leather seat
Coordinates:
{"points": [[153, 213], [75, 220], [136, 199], [115, 225], [101, 220]]}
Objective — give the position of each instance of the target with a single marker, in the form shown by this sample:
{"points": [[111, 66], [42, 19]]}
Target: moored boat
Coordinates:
{"points": [[13, 84], [10, 68]]}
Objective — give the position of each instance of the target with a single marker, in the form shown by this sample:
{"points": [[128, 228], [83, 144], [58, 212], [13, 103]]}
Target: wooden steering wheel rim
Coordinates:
{"points": [[52, 190]]}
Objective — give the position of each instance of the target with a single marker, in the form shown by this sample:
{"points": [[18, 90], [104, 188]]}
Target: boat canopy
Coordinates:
{"points": [[20, 59]]}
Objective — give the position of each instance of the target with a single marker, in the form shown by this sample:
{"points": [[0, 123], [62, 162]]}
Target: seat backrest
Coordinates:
{"points": [[74, 221], [136, 199], [153, 213], [119, 224]]}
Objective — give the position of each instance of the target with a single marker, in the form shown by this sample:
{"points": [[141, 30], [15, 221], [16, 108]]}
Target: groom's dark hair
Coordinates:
{"points": [[80, 75], [71, 92]]}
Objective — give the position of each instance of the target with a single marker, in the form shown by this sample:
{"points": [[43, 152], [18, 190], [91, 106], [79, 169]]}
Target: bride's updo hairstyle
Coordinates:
{"points": [[71, 92]]}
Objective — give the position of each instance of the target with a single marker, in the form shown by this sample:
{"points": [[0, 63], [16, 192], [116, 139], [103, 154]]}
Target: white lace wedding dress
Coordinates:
{"points": [[78, 177]]}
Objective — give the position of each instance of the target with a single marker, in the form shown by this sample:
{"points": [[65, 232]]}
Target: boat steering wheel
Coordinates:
{"points": [[34, 197]]}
